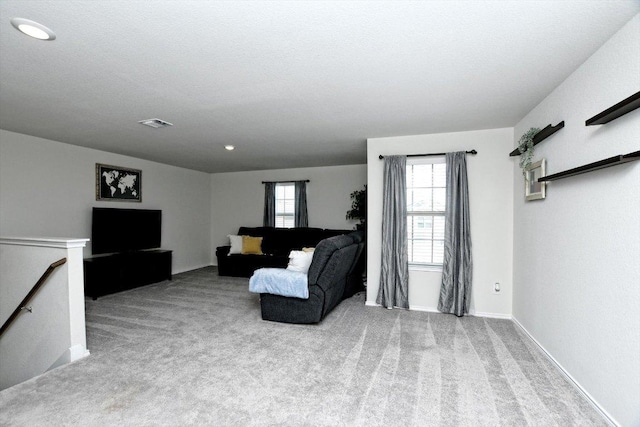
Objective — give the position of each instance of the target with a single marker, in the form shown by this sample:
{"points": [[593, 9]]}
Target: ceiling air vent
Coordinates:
{"points": [[155, 123]]}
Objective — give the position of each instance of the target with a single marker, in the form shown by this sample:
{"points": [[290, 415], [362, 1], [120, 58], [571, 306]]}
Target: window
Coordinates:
{"points": [[426, 199], [285, 205]]}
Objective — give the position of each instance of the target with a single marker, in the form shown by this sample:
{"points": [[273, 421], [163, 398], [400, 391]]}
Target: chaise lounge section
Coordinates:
{"points": [[332, 277]]}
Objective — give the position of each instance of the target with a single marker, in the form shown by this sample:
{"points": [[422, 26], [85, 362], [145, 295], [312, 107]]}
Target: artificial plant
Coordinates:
{"points": [[525, 146], [358, 209]]}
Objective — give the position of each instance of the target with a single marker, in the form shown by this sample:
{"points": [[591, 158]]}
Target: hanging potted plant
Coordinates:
{"points": [[525, 146], [358, 209]]}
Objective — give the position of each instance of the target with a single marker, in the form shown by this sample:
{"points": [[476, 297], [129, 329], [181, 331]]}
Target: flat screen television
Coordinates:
{"points": [[125, 230]]}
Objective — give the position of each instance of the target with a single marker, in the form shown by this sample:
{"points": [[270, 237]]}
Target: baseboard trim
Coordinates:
{"points": [[424, 309], [608, 418], [490, 315], [184, 270], [71, 354], [78, 352], [375, 304], [435, 310]]}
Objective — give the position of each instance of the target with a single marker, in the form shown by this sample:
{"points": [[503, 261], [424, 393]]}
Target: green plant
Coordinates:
{"points": [[358, 209], [525, 146]]}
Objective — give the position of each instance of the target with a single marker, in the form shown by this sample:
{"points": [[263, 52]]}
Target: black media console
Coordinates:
{"points": [[110, 273]]}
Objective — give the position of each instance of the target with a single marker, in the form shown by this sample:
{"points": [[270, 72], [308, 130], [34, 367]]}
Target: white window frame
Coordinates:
{"points": [[421, 266], [285, 215]]}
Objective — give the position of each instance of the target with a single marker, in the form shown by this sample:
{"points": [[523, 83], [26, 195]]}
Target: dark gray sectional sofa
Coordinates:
{"points": [[335, 274], [276, 245]]}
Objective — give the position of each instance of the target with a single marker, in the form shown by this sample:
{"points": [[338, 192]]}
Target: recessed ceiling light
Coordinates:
{"points": [[229, 147], [33, 29]]}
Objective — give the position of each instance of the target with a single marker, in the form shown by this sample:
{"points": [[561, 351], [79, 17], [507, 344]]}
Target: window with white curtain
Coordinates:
{"points": [[426, 199], [285, 205]]}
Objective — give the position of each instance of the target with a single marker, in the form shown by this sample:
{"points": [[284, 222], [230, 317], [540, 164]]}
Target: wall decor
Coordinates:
{"points": [[525, 147], [541, 136], [600, 164], [534, 189], [116, 183], [620, 109]]}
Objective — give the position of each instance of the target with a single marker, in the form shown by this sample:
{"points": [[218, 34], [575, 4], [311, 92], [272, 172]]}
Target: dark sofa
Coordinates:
{"points": [[332, 277], [276, 245]]}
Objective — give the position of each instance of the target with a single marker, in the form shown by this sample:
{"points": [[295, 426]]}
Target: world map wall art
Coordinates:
{"points": [[118, 184]]}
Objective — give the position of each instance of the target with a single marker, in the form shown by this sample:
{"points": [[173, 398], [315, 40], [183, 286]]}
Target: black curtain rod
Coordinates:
{"points": [[283, 182], [430, 154]]}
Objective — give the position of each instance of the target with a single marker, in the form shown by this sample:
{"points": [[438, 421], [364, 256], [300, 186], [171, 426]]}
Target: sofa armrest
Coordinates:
{"points": [[223, 250]]}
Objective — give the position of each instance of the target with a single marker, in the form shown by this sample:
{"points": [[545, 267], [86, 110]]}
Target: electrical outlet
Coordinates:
{"points": [[496, 288]]}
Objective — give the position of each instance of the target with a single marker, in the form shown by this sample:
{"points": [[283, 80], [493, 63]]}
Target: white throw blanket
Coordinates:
{"points": [[279, 281]]}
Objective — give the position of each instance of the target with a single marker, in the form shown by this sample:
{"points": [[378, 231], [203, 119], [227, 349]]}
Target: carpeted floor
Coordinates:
{"points": [[195, 351]]}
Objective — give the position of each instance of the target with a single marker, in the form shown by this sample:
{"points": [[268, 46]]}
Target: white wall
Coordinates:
{"points": [[577, 253], [238, 197], [47, 188], [491, 203]]}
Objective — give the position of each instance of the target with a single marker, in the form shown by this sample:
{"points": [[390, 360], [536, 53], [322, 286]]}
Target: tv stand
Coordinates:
{"points": [[110, 273]]}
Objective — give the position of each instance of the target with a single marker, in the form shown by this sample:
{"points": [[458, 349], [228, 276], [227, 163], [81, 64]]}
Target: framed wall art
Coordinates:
{"points": [[534, 190], [115, 183]]}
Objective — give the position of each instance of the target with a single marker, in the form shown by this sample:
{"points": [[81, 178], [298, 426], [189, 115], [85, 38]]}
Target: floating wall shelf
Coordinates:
{"points": [[541, 136], [620, 109], [611, 161]]}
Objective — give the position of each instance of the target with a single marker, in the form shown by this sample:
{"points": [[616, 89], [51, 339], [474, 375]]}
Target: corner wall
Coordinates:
{"points": [[47, 188], [577, 253], [238, 197], [491, 204]]}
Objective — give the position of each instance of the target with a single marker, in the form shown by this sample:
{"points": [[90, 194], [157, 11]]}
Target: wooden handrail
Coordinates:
{"points": [[31, 293]]}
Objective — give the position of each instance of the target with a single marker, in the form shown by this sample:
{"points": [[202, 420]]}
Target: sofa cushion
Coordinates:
{"points": [[323, 252], [239, 265], [357, 236], [300, 261], [251, 245], [236, 244], [280, 241]]}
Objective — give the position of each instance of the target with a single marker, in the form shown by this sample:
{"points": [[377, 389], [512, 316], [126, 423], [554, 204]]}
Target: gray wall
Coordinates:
{"points": [[577, 253], [47, 189], [238, 197]]}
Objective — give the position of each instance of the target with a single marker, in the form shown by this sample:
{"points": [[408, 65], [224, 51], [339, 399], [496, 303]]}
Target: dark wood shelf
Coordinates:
{"points": [[620, 109], [541, 136], [601, 164]]}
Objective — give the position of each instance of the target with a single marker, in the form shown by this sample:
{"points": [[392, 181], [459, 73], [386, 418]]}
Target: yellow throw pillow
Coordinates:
{"points": [[251, 245], [308, 249]]}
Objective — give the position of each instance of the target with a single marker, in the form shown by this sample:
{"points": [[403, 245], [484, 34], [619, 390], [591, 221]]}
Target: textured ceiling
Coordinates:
{"points": [[290, 84]]}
